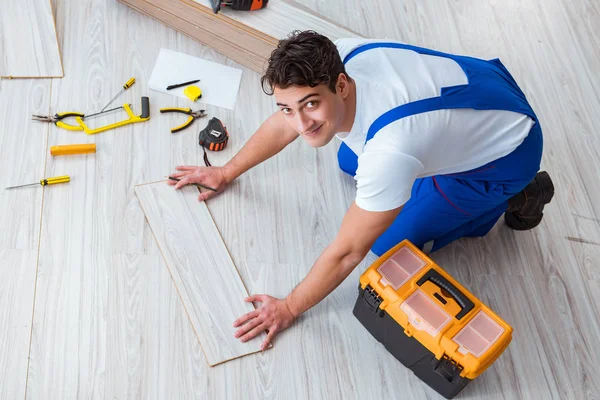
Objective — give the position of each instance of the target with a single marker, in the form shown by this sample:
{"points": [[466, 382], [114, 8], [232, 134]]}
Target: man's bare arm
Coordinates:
{"points": [[272, 137], [356, 236]]}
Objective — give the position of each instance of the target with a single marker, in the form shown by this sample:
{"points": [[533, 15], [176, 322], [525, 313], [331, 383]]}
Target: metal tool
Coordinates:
{"points": [[126, 86], [241, 5], [192, 116], [46, 181], [194, 184], [144, 116], [58, 117], [104, 112]]}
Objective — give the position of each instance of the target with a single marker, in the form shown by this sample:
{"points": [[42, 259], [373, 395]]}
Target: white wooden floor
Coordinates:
{"points": [[89, 310]]}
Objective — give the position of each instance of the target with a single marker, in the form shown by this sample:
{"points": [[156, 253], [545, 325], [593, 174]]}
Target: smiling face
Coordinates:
{"points": [[316, 113]]}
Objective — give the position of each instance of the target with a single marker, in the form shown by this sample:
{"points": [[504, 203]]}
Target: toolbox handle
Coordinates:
{"points": [[463, 301]]}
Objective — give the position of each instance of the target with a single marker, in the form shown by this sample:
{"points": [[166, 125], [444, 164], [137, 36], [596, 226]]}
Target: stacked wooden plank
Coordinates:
{"points": [[246, 37]]}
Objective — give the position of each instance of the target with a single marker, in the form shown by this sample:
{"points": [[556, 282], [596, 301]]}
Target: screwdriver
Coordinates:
{"points": [[126, 86], [47, 181]]}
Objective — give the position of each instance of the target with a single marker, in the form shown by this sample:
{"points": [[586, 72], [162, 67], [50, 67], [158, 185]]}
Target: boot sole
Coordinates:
{"points": [[519, 223], [546, 186]]}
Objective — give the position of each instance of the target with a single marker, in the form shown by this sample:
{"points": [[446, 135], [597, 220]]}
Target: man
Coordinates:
{"points": [[440, 147]]}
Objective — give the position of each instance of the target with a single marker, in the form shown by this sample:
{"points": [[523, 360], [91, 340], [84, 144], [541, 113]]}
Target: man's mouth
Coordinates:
{"points": [[314, 132]]}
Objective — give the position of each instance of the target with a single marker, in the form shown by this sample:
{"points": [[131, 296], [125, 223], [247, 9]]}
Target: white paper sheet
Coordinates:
{"points": [[219, 83]]}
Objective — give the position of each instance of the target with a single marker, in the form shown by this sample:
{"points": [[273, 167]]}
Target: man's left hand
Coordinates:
{"points": [[274, 315]]}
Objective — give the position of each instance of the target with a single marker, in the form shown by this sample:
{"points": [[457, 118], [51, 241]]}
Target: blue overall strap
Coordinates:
{"points": [[490, 87]]}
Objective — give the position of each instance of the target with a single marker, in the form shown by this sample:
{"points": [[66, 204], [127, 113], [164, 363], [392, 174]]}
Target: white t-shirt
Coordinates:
{"points": [[426, 144]]}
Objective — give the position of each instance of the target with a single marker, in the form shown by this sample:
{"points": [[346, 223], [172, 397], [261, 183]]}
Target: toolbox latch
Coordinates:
{"points": [[372, 298], [447, 369]]}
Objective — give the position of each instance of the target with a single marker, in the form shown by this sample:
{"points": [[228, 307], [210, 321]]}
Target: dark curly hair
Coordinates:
{"points": [[303, 59]]}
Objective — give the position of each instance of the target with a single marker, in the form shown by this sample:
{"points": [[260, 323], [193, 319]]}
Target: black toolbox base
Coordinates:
{"points": [[441, 375]]}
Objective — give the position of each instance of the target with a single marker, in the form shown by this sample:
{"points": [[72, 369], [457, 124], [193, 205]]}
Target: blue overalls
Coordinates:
{"points": [[443, 208]]}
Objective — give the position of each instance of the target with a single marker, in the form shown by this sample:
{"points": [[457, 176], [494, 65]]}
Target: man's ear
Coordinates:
{"points": [[343, 85]]}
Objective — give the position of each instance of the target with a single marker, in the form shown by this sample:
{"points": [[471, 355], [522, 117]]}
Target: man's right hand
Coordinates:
{"points": [[213, 177]]}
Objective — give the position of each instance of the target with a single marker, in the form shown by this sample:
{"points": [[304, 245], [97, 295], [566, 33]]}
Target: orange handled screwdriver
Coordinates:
{"points": [[70, 149], [47, 181]]}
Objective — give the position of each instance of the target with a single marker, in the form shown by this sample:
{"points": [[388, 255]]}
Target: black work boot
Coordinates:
{"points": [[525, 209]]}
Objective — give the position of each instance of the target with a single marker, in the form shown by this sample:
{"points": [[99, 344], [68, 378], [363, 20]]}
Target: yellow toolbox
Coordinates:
{"points": [[429, 321]]}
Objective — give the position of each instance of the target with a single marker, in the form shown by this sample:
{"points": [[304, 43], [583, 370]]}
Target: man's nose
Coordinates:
{"points": [[304, 123]]}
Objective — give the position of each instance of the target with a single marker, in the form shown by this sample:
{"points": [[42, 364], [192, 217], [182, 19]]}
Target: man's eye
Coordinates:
{"points": [[311, 104], [286, 110]]}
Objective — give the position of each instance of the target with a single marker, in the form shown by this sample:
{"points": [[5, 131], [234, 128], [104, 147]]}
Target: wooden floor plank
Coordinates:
{"points": [[281, 17], [17, 268], [203, 272], [22, 156], [109, 321], [28, 40]]}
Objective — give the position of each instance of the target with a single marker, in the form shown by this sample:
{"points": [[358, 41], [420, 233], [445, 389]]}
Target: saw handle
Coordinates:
{"points": [[145, 108]]}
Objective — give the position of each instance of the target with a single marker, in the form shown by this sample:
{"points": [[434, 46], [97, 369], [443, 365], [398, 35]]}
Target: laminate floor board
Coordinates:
{"points": [[89, 219], [212, 291], [594, 288], [351, 364], [555, 324], [22, 154], [281, 17], [152, 350], [278, 222], [190, 25], [584, 241], [270, 223], [561, 304], [108, 320], [530, 367], [17, 268], [28, 40]]}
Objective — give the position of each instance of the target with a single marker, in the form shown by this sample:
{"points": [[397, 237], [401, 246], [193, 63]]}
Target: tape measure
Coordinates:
{"points": [[214, 137]]}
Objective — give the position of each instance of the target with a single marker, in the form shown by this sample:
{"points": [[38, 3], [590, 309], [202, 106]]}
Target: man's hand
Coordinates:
{"points": [[274, 315], [213, 177]]}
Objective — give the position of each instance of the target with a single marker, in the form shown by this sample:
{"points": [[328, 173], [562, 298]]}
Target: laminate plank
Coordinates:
{"points": [[248, 38], [152, 352], [281, 17], [237, 44], [328, 353], [93, 227], [17, 268], [201, 267], [28, 40], [109, 321], [95, 216], [22, 153]]}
